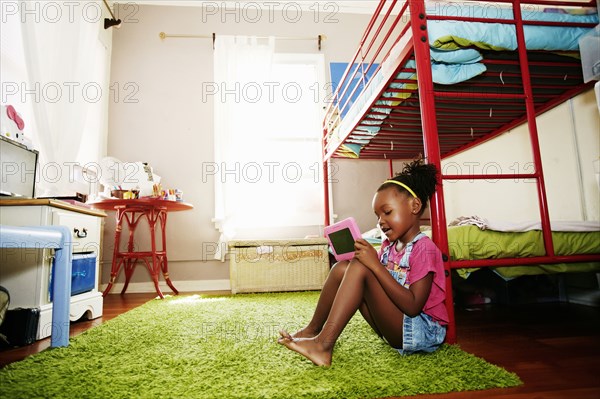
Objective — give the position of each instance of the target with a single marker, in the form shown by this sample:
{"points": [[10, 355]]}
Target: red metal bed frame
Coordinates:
{"points": [[427, 112]]}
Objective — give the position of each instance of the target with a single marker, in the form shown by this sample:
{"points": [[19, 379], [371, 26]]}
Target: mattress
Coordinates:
{"points": [[470, 242]]}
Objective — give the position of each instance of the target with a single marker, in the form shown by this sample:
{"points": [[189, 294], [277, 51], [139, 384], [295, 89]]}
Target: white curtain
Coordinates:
{"points": [[239, 61], [63, 89], [267, 147]]}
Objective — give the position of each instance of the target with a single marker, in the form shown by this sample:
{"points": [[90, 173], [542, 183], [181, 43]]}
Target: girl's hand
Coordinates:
{"points": [[366, 254]]}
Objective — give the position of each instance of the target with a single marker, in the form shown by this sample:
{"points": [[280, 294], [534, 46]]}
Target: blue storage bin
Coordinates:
{"points": [[83, 274]]}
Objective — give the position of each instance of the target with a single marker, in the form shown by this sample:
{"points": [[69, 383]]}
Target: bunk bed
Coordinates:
{"points": [[483, 68]]}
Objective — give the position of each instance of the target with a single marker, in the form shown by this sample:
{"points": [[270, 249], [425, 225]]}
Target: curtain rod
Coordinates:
{"points": [[164, 35], [109, 9]]}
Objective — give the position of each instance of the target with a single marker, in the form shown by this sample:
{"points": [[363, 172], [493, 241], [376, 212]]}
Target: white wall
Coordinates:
{"points": [[569, 142], [160, 116], [354, 183]]}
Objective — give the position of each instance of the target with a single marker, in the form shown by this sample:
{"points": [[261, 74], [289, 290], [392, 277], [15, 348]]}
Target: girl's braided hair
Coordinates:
{"points": [[422, 178]]}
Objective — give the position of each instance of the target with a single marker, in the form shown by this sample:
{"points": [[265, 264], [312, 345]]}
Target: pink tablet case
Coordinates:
{"points": [[341, 237]]}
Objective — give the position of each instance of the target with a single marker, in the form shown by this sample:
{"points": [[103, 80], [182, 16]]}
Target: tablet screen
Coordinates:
{"points": [[342, 241]]}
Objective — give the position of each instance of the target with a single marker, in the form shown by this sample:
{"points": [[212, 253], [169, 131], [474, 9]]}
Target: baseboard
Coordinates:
{"points": [[182, 286]]}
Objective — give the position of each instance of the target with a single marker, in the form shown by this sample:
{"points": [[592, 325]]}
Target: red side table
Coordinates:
{"points": [[132, 210]]}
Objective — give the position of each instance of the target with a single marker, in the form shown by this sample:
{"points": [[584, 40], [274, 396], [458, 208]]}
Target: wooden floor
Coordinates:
{"points": [[553, 347]]}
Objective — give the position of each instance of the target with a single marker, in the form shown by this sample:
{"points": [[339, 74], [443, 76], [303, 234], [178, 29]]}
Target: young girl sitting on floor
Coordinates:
{"points": [[400, 291]]}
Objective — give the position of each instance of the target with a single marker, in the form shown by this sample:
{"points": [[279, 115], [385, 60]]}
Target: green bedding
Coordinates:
{"points": [[469, 242]]}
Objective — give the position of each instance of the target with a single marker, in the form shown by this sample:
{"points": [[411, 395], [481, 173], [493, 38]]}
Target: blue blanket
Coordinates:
{"points": [[451, 35]]}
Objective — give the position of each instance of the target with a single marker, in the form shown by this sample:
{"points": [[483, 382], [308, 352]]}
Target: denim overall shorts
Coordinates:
{"points": [[420, 333]]}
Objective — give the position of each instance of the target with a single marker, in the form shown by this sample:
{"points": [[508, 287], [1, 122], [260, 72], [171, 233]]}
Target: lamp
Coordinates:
{"points": [[110, 22]]}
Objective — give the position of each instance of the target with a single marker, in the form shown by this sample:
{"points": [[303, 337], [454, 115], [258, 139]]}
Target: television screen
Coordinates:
{"points": [[18, 166]]}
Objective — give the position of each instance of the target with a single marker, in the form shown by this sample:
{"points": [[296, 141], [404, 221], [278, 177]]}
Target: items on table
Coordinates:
{"points": [[171, 194]]}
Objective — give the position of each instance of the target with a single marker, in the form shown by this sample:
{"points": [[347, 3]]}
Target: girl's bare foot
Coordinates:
{"points": [[302, 333], [310, 348]]}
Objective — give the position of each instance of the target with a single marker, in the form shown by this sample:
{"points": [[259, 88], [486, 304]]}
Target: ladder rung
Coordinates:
{"points": [[492, 176], [457, 94]]}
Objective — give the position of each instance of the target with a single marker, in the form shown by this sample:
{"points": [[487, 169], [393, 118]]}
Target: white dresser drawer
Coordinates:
{"points": [[85, 230]]}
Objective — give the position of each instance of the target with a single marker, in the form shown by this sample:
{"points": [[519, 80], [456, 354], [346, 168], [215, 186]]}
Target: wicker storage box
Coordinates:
{"points": [[278, 265]]}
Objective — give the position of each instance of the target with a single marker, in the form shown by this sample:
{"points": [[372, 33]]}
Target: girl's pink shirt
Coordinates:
{"points": [[424, 258]]}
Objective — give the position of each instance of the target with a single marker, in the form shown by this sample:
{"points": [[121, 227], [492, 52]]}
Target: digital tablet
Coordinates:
{"points": [[341, 237]]}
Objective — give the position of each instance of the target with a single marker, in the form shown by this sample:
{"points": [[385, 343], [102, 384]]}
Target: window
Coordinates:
{"points": [[269, 159]]}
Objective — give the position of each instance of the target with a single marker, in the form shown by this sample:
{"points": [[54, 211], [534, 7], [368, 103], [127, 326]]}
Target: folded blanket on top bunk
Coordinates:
{"points": [[451, 35], [455, 57]]}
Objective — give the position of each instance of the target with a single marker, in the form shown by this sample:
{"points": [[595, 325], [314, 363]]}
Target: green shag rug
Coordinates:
{"points": [[225, 347]]}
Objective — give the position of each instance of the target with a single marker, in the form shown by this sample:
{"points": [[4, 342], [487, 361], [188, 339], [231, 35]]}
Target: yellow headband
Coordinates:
{"points": [[402, 185]]}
